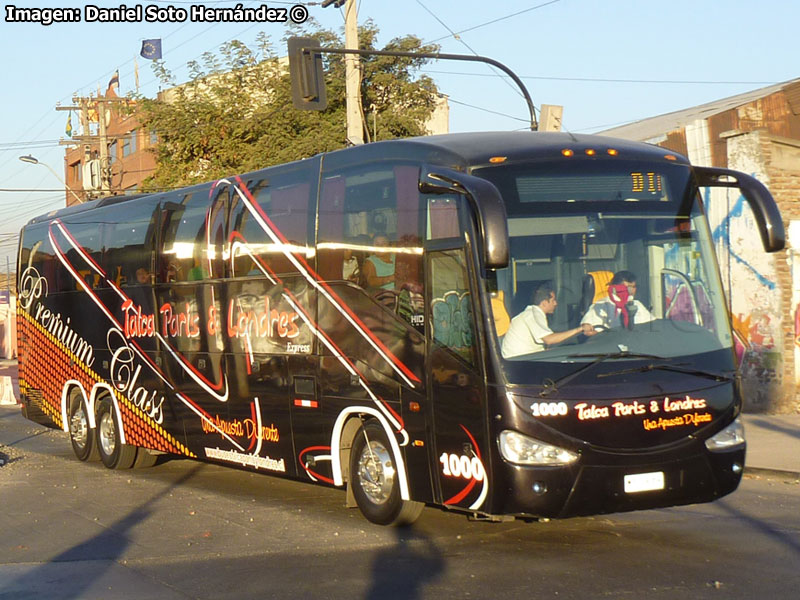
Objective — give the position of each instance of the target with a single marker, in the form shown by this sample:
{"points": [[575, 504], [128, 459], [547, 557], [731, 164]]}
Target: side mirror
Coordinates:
{"points": [[305, 70], [487, 204], [766, 213]]}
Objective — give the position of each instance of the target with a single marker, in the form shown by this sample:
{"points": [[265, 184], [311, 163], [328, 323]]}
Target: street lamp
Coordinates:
{"points": [[34, 161]]}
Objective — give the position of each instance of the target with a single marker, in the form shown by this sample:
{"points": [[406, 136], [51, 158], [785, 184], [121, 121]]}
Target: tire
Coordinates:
{"points": [[113, 453], [80, 435], [373, 477], [144, 459]]}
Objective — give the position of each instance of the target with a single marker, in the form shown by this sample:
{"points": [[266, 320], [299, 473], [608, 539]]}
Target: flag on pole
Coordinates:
{"points": [[68, 129], [113, 84], [151, 49], [136, 73]]}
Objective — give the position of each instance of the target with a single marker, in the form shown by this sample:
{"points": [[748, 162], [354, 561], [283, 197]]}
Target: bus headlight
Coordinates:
{"points": [[523, 450], [728, 439]]}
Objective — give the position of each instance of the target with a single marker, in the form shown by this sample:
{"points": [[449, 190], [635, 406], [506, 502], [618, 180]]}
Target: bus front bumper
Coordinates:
{"points": [[609, 483]]}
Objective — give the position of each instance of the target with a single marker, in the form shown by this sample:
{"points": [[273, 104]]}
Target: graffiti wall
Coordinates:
{"points": [[793, 237], [750, 279]]}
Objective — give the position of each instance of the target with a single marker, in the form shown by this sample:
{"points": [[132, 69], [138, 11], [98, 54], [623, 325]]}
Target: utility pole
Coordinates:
{"points": [[100, 140], [105, 161], [355, 129]]}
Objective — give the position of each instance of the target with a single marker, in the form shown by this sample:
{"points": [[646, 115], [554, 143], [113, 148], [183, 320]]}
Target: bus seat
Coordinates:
{"points": [[501, 319], [595, 288]]}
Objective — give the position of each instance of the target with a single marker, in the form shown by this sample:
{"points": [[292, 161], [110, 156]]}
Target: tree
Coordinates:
{"points": [[236, 115]]}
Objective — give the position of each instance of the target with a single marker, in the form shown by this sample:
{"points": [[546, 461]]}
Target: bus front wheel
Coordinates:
{"points": [[113, 453], [374, 477]]}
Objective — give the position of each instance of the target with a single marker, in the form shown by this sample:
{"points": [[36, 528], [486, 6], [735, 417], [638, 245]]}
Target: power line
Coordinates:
{"points": [[488, 110], [608, 80], [457, 33], [456, 36], [15, 190], [28, 144]]}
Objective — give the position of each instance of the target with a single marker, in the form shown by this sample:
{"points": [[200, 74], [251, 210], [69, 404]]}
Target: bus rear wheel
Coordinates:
{"points": [[113, 453], [81, 437], [374, 478]]}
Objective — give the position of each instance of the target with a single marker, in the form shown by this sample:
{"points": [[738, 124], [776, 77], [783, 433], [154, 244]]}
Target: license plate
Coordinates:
{"points": [[644, 482]]}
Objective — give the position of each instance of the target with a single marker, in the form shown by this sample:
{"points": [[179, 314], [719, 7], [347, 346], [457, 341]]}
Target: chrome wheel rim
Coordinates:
{"points": [[108, 431], [79, 427], [376, 472]]}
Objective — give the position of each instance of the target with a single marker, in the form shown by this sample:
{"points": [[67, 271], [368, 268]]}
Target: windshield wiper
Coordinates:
{"points": [[673, 368], [551, 386]]}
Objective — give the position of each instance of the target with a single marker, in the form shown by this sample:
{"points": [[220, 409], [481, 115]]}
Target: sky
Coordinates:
{"points": [[606, 62]]}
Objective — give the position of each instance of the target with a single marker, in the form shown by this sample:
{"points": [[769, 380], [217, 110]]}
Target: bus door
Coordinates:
{"points": [[371, 313], [268, 308], [188, 269], [455, 382]]}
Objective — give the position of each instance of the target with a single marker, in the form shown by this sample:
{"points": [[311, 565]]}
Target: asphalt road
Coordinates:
{"points": [[182, 529]]}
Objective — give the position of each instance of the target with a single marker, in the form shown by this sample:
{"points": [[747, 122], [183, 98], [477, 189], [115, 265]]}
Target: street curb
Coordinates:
{"points": [[777, 473]]}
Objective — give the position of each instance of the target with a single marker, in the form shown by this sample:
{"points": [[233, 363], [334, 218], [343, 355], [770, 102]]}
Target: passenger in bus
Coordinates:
{"points": [[173, 269], [143, 276], [198, 271], [619, 308], [136, 290], [351, 269], [379, 268], [529, 331]]}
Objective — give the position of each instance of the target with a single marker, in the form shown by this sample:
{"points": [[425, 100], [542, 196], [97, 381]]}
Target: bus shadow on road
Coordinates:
{"points": [[776, 427], [104, 550], [760, 525], [404, 569]]}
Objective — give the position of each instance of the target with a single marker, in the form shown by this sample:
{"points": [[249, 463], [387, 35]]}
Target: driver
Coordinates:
{"points": [[529, 331], [619, 308]]}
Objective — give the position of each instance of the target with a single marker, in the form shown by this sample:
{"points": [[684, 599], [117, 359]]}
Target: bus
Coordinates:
{"points": [[341, 320]]}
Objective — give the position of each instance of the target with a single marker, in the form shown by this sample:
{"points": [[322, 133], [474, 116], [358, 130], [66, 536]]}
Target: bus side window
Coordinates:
{"points": [[335, 252], [184, 249], [86, 232], [272, 245], [129, 243], [371, 226], [442, 218], [451, 304]]}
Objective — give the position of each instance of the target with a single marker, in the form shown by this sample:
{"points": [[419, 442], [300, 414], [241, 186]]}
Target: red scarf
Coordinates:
{"points": [[619, 295]]}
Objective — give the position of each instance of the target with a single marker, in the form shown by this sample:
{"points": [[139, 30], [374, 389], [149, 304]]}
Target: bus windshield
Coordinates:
{"points": [[608, 258]]}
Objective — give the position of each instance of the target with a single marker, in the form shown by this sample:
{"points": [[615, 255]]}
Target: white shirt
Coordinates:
{"points": [[605, 313], [526, 333]]}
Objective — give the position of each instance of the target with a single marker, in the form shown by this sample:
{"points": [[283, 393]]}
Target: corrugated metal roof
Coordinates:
{"points": [[655, 127]]}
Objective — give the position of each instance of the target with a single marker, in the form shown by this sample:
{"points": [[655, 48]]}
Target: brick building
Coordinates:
{"points": [[128, 160], [757, 133]]}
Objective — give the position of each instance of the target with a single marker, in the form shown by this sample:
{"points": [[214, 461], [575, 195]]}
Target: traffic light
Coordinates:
{"points": [[308, 80]]}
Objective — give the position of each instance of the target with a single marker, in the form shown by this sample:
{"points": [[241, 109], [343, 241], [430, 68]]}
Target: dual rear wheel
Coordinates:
{"points": [[104, 442]]}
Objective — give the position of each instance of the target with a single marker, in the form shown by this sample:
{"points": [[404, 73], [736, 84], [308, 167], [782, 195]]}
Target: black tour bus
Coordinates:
{"points": [[341, 320]]}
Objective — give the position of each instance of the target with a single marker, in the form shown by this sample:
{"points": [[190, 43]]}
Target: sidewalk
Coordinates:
{"points": [[8, 367], [773, 441]]}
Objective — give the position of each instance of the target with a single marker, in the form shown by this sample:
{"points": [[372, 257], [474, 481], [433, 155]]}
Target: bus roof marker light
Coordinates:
{"points": [[498, 159], [613, 152], [567, 152], [591, 152], [670, 157]]}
